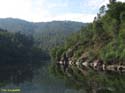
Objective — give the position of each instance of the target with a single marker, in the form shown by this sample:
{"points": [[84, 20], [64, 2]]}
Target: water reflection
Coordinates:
{"points": [[15, 73], [32, 80]]}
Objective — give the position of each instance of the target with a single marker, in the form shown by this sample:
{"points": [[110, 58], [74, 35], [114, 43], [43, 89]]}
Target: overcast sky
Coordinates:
{"points": [[48, 10]]}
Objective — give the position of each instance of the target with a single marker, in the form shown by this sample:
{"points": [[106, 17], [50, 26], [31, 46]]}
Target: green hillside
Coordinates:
{"points": [[54, 32], [94, 57], [19, 57]]}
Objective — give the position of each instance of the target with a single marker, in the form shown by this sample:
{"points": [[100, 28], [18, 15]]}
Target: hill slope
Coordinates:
{"points": [[16, 25], [95, 56], [53, 32]]}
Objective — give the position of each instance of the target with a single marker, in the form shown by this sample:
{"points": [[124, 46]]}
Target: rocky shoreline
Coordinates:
{"points": [[83, 63]]}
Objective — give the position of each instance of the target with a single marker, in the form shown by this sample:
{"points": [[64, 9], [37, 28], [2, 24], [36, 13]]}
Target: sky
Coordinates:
{"points": [[49, 10]]}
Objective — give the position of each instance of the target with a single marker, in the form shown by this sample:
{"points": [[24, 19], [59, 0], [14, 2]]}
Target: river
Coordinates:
{"points": [[39, 81]]}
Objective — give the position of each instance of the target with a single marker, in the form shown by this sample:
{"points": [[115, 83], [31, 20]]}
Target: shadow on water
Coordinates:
{"points": [[15, 74], [31, 80]]}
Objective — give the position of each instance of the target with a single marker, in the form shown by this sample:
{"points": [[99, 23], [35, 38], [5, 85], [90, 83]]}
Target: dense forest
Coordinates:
{"points": [[88, 56], [24, 47], [54, 32], [94, 57], [18, 56]]}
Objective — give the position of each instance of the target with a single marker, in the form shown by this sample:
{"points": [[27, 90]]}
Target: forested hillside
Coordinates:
{"points": [[19, 56], [17, 25], [94, 57], [54, 32]]}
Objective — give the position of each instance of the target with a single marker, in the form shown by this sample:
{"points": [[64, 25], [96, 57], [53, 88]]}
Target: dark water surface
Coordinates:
{"points": [[29, 80]]}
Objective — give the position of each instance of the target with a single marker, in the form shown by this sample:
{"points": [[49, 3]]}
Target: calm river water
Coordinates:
{"points": [[27, 81]]}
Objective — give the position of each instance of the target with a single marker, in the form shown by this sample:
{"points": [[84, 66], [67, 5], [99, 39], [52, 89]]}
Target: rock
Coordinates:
{"points": [[85, 64], [77, 63]]}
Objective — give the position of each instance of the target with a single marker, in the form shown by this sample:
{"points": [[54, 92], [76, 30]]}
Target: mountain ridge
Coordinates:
{"points": [[15, 24], [54, 32]]}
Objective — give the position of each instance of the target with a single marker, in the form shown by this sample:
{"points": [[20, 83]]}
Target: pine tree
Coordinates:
{"points": [[112, 1]]}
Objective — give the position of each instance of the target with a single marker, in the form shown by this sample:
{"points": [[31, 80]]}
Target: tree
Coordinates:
{"points": [[115, 10], [112, 1], [122, 16], [19, 56], [102, 10]]}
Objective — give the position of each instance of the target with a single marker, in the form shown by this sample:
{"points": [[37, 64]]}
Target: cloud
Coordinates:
{"points": [[121, 0], [60, 11], [13, 7], [92, 6], [57, 5], [95, 4], [71, 16], [47, 10]]}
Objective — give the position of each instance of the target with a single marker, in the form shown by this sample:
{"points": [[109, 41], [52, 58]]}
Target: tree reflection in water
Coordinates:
{"points": [[16, 73]]}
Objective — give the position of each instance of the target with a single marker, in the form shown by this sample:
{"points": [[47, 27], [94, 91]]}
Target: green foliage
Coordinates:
{"points": [[46, 34], [102, 10], [115, 10], [122, 16], [17, 48], [105, 36], [19, 56], [103, 39]]}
